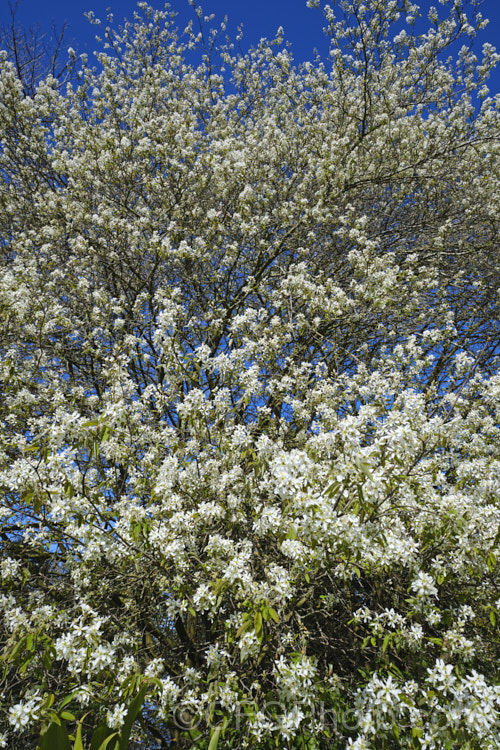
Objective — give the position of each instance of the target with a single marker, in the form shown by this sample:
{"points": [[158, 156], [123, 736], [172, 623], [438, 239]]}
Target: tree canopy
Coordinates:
{"points": [[249, 389]]}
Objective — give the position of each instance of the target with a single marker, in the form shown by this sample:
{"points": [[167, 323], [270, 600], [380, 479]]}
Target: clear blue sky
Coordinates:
{"points": [[302, 26]]}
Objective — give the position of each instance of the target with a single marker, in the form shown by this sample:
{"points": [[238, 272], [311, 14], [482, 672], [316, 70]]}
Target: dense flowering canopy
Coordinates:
{"points": [[249, 390]]}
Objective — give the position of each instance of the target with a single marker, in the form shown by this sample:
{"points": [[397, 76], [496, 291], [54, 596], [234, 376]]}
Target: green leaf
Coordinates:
{"points": [[131, 716], [364, 467], [258, 623], [273, 615], [292, 533], [69, 490], [243, 629], [106, 742], [49, 701], [47, 655], [37, 503], [55, 738], [78, 739], [491, 561], [67, 700], [101, 734], [67, 716], [214, 741], [27, 497], [386, 642], [332, 489], [15, 650], [135, 530], [24, 666], [493, 617], [361, 497]]}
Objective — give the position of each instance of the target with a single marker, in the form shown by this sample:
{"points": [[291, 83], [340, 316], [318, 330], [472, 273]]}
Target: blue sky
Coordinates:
{"points": [[302, 26]]}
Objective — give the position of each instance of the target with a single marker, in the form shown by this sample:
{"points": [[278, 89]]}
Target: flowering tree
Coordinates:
{"points": [[250, 449], [34, 54]]}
